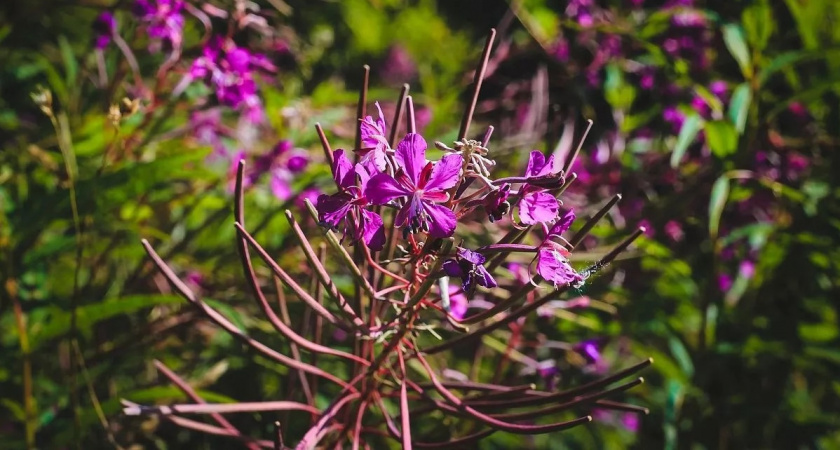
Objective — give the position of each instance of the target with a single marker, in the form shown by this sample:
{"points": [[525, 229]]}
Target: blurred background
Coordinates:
{"points": [[716, 120]]}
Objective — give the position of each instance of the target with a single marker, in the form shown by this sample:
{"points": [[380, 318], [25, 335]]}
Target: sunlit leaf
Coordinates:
{"points": [[692, 125]]}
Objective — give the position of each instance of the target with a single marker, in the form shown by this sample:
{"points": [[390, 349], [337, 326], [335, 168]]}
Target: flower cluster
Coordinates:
{"points": [[164, 23], [404, 212], [229, 70], [430, 196]]}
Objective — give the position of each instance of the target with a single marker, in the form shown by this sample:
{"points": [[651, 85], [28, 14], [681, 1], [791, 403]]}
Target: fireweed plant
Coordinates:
{"points": [[653, 70], [408, 277]]}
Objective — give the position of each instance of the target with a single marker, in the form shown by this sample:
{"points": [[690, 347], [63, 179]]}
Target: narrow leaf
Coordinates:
{"points": [[692, 125], [739, 107], [733, 37], [720, 192]]}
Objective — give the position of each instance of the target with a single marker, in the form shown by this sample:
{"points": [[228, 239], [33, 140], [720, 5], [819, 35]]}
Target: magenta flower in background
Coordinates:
{"points": [[724, 282], [348, 205], [422, 184], [537, 205], [458, 303], [398, 66], [374, 142], [164, 23], [207, 128], [104, 28], [589, 350], [229, 71], [468, 266]]}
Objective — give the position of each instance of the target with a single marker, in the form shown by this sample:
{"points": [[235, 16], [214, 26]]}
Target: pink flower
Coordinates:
{"points": [[348, 205], [422, 185], [537, 205]]}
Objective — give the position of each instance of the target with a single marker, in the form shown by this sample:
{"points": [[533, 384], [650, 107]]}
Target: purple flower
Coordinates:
{"points": [[104, 26], [374, 142], [548, 371], [553, 259], [724, 282], [348, 204], [423, 186], [746, 269], [589, 350], [458, 303], [674, 230], [208, 130], [398, 66], [630, 421], [229, 71], [468, 266], [164, 22], [310, 194], [496, 204], [719, 88], [297, 163], [537, 205]]}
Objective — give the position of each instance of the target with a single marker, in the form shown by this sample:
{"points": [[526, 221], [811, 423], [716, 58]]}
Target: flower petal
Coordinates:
{"points": [[484, 278], [280, 185], [373, 230], [342, 170], [471, 256], [537, 206], [441, 220], [563, 223], [555, 268], [376, 158], [332, 209], [382, 188], [411, 155], [452, 268], [536, 162], [445, 173]]}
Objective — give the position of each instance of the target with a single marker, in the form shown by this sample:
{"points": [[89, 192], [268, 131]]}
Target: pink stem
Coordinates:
{"points": [[221, 321]]}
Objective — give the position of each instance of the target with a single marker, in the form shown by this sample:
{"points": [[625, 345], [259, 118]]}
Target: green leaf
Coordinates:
{"points": [[739, 107], [721, 137], [720, 192], [89, 315], [758, 24], [681, 355], [733, 37], [71, 66], [692, 125]]}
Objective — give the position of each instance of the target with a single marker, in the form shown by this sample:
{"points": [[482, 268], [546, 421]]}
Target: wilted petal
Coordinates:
{"points": [[484, 278], [373, 131], [445, 173], [537, 206], [555, 268], [332, 209], [373, 230], [563, 223], [375, 158], [382, 188], [411, 155], [441, 220]]}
